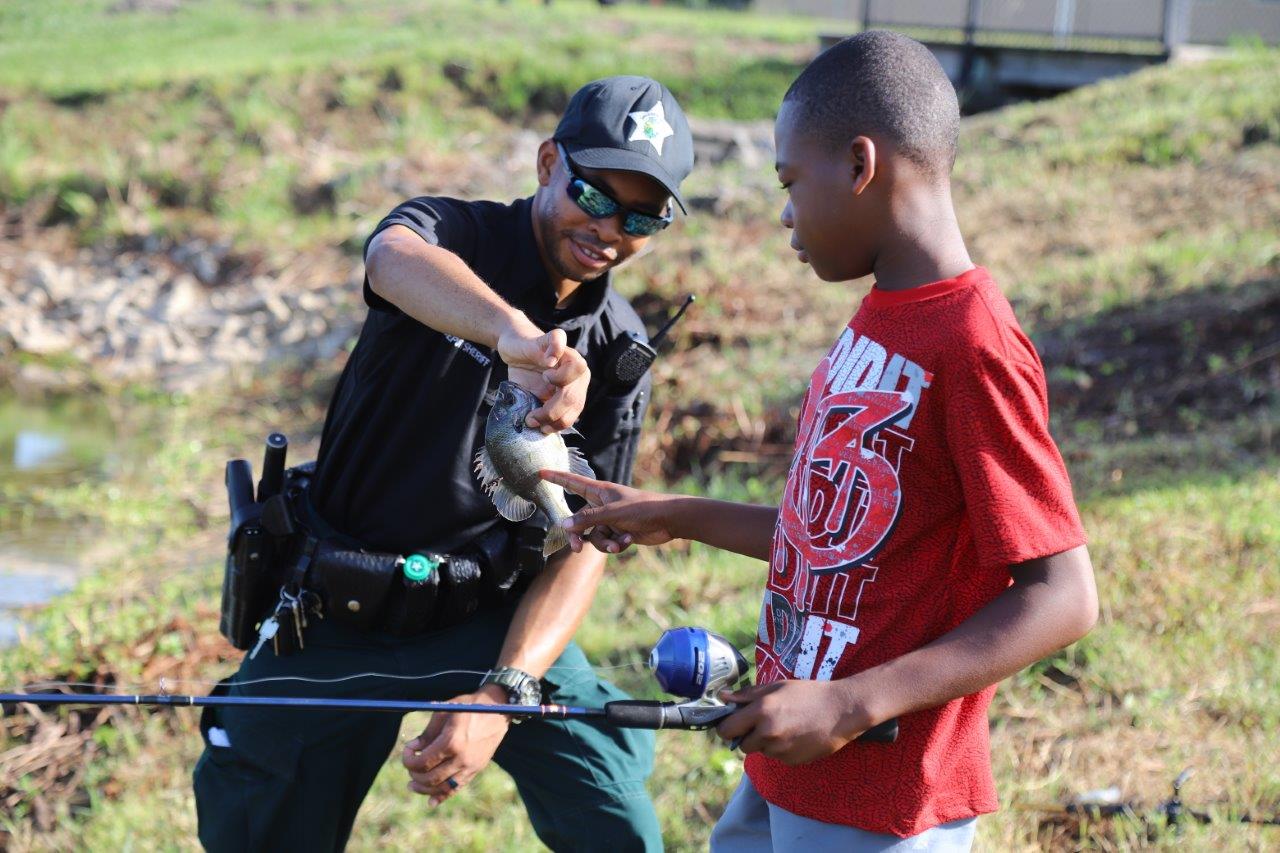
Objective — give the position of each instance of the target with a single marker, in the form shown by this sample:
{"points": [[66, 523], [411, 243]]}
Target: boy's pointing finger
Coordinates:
{"points": [[576, 483]]}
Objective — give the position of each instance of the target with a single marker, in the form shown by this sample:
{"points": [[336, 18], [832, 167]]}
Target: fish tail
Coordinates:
{"points": [[556, 539]]}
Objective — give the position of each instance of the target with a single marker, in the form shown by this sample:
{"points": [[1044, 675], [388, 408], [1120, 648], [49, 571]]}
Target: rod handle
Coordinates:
{"points": [[651, 714]]}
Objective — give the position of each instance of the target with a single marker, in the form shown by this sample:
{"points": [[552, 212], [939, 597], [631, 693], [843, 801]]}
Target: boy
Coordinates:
{"points": [[927, 544]]}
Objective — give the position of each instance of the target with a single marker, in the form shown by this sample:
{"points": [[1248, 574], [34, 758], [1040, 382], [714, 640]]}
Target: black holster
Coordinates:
{"points": [[246, 581], [262, 541]]}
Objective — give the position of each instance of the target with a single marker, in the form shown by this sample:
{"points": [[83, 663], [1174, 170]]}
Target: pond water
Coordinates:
{"points": [[45, 447]]}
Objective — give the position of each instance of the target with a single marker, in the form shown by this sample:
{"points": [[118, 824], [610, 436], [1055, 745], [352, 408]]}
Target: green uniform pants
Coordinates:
{"points": [[294, 780]]}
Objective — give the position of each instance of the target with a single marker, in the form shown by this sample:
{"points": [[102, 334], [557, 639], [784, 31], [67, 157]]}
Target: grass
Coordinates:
{"points": [[128, 122], [1176, 674], [81, 52], [1112, 196]]}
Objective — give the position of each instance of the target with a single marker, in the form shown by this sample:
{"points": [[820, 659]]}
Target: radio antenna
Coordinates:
{"points": [[662, 333]]}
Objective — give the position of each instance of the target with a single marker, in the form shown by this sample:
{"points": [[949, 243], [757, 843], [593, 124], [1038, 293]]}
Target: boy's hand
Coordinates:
{"points": [[794, 722], [618, 516], [555, 372]]}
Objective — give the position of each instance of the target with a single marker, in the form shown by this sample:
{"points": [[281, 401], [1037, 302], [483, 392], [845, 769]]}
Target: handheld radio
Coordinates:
{"points": [[630, 355]]}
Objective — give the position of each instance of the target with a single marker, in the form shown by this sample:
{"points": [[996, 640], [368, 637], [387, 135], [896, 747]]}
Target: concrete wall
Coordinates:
{"points": [[1218, 21]]}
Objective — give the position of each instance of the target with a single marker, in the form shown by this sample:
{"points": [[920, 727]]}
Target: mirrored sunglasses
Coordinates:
{"points": [[598, 204]]}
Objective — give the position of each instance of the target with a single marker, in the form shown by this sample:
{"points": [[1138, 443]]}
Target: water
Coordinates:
{"points": [[46, 446]]}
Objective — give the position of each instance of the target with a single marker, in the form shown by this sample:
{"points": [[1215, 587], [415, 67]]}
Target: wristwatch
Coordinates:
{"points": [[522, 688]]}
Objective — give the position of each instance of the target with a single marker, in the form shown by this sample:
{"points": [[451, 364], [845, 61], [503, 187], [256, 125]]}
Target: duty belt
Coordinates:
{"points": [[280, 549]]}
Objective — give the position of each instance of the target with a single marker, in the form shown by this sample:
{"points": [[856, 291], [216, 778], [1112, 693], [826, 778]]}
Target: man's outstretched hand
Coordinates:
{"points": [[555, 372], [618, 516]]}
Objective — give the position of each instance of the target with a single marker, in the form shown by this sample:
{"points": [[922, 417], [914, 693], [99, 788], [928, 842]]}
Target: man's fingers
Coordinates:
{"points": [[427, 749], [569, 369], [423, 760], [555, 415], [532, 381], [439, 775], [552, 346], [441, 790], [527, 354]]}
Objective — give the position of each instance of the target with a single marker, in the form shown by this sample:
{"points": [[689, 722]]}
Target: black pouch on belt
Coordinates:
{"points": [[460, 589], [413, 595], [355, 584], [498, 568]]}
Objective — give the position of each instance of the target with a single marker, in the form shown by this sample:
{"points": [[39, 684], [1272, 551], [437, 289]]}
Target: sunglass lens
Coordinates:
{"points": [[594, 202], [639, 225]]}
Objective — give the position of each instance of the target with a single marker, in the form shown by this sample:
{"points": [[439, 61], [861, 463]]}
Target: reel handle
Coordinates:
{"points": [[651, 714]]}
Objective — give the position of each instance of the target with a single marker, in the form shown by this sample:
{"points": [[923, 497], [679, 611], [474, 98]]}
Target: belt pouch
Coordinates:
{"points": [[412, 604], [355, 584], [459, 594], [242, 584], [498, 567]]}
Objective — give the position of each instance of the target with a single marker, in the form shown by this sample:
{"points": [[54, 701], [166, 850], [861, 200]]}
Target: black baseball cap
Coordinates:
{"points": [[632, 124]]}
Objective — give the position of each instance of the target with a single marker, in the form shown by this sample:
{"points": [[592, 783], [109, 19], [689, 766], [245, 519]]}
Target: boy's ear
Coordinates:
{"points": [[862, 158], [547, 159]]}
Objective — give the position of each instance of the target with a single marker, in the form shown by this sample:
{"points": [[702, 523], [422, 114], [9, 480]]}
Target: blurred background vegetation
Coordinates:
{"points": [[239, 152]]}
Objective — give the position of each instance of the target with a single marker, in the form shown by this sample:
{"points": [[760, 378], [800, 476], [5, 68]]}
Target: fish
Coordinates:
{"points": [[507, 465]]}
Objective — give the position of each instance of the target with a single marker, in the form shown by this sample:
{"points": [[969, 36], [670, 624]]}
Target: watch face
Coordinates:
{"points": [[529, 693], [522, 688]]}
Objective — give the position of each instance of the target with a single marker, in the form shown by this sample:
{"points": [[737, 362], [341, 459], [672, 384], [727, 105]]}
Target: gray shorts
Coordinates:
{"points": [[751, 825]]}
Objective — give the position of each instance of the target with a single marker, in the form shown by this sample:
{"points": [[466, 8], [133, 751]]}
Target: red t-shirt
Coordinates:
{"points": [[923, 468]]}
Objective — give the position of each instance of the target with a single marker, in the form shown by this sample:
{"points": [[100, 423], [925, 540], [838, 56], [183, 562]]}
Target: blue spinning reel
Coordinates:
{"points": [[696, 664]]}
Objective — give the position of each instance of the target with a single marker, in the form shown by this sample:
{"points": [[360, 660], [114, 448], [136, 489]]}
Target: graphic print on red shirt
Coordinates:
{"points": [[838, 512], [923, 468]]}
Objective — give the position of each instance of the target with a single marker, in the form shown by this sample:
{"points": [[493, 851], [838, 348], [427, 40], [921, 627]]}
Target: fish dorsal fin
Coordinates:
{"points": [[487, 474], [510, 506], [579, 465]]}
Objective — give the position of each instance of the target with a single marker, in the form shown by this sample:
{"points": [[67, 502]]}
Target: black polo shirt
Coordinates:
{"points": [[395, 464]]}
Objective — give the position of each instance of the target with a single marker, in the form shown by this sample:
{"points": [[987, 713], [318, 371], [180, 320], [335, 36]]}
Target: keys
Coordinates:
{"points": [[291, 615], [299, 619], [311, 603], [287, 639], [283, 642], [266, 631]]}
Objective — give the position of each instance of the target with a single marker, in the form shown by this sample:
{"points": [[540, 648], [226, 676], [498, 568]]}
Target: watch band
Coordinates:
{"points": [[522, 688]]}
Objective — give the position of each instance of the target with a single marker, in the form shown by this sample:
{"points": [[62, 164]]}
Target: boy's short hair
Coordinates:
{"points": [[881, 82]]}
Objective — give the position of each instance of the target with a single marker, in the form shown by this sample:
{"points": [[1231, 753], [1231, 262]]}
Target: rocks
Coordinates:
{"points": [[35, 335], [169, 314], [181, 298], [716, 141]]}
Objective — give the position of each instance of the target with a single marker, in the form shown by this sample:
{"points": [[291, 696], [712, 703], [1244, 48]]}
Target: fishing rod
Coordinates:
{"points": [[691, 663], [1173, 813]]}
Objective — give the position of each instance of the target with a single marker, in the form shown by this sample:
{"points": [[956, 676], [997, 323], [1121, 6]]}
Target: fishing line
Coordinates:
{"points": [[162, 683]]}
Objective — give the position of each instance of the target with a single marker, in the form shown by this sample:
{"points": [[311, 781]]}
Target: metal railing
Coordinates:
{"points": [[1144, 25]]}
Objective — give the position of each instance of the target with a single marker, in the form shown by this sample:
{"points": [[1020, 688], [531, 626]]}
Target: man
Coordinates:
{"points": [[461, 295]]}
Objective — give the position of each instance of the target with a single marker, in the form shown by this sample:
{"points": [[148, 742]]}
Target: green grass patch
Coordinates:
{"points": [[77, 53]]}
